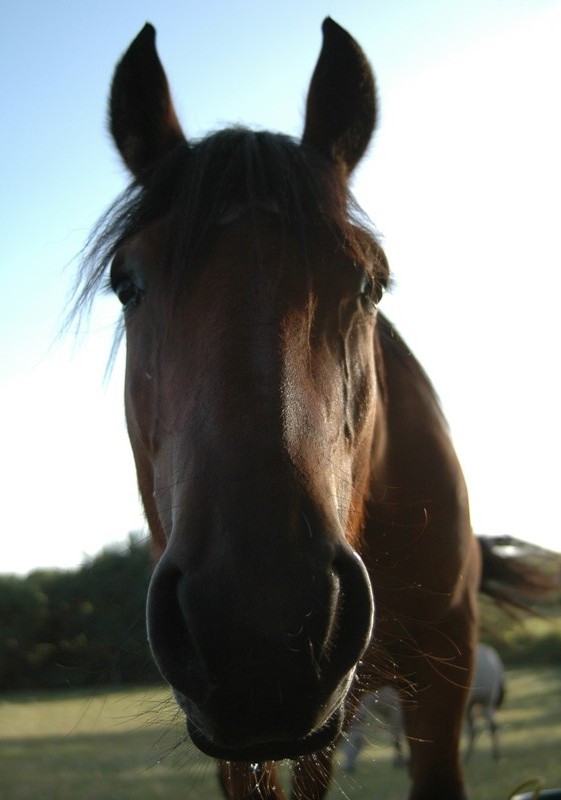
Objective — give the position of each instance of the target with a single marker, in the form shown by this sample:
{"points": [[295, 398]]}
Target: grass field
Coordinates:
{"points": [[127, 744]]}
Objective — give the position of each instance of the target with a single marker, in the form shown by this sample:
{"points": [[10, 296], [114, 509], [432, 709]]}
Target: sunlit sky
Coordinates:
{"points": [[463, 182]]}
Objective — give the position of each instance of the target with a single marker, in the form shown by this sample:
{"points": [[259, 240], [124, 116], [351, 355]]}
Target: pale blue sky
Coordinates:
{"points": [[463, 182]]}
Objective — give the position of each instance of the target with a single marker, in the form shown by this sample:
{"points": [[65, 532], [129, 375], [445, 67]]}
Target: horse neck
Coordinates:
{"points": [[418, 503]]}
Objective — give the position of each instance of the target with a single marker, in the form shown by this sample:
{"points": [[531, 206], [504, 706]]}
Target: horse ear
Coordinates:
{"points": [[141, 113], [341, 106]]}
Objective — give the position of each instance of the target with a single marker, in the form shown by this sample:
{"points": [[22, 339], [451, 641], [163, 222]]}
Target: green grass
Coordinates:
{"points": [[127, 744]]}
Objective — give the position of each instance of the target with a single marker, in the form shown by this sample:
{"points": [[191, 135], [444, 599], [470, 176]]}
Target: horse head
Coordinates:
{"points": [[249, 294]]}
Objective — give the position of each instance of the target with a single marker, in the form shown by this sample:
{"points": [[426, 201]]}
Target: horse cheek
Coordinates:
{"points": [[359, 425], [141, 415]]}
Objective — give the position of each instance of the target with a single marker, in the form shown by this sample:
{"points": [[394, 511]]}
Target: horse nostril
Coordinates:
{"points": [[352, 626], [168, 633]]}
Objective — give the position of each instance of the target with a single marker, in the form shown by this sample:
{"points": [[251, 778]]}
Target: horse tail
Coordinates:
{"points": [[512, 582]]}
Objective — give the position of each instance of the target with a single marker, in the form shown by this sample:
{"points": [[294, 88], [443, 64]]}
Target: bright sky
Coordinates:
{"points": [[463, 182]]}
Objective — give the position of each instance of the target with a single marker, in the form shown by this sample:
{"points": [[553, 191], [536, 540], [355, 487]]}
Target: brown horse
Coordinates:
{"points": [[292, 457]]}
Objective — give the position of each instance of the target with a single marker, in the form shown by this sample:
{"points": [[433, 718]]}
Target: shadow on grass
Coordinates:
{"points": [[152, 763]]}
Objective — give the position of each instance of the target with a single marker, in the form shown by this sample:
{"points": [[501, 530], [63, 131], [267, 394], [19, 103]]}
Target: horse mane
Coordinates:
{"points": [[199, 184]]}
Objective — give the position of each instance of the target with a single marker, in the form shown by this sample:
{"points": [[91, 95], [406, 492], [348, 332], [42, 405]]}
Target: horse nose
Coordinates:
{"points": [[354, 619], [259, 658]]}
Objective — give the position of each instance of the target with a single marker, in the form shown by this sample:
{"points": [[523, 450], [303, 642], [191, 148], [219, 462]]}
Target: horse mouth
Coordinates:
{"points": [[278, 750]]}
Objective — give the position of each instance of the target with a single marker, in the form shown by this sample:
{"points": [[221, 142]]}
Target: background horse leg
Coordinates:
{"points": [[493, 727], [311, 775], [250, 781], [470, 724], [354, 738], [400, 759]]}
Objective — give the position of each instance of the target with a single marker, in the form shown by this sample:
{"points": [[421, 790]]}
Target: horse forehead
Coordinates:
{"points": [[252, 253], [252, 250], [238, 210], [147, 245]]}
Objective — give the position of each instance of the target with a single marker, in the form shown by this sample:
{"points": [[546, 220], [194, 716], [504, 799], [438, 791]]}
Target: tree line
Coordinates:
{"points": [[77, 628]]}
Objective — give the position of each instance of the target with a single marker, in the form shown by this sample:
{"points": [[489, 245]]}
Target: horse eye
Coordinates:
{"points": [[128, 293], [371, 291]]}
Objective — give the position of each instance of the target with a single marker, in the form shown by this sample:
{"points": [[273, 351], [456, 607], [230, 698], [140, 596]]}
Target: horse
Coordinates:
{"points": [[486, 694], [383, 707], [308, 515]]}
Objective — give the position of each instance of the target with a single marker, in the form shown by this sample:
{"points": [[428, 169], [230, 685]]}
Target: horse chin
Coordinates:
{"points": [[259, 751]]}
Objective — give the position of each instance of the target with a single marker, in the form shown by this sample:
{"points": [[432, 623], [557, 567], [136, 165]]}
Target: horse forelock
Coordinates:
{"points": [[203, 185]]}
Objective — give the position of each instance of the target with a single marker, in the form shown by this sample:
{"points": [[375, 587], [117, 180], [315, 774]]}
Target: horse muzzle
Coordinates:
{"points": [[258, 748], [261, 664]]}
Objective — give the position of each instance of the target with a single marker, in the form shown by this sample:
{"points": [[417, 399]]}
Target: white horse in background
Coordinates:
{"points": [[486, 695], [384, 708]]}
